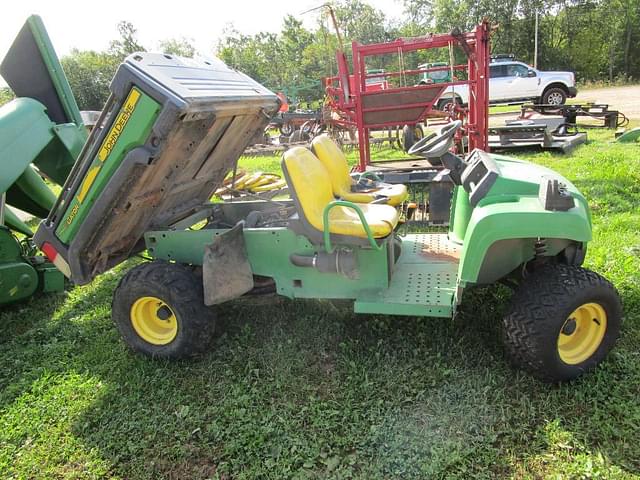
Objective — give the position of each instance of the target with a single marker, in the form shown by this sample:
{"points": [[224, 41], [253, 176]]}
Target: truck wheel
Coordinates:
{"points": [[159, 310], [410, 135], [554, 96], [562, 322]]}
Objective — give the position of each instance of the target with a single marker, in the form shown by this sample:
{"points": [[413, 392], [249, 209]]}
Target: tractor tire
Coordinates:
{"points": [[158, 308], [410, 135], [554, 96], [562, 322]]}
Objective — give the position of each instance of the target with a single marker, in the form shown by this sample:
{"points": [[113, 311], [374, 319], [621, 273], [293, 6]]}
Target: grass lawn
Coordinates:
{"points": [[307, 389]]}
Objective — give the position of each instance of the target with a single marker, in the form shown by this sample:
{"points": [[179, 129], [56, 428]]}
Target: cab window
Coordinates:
{"points": [[516, 70], [497, 71]]}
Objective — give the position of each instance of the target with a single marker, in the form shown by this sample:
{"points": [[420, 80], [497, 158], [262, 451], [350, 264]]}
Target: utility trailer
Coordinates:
{"points": [[172, 131], [546, 134], [570, 113]]}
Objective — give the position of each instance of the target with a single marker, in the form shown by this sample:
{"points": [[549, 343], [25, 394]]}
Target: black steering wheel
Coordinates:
{"points": [[435, 147]]}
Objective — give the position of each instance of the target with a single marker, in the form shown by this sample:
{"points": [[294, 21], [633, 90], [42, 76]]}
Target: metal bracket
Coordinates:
{"points": [[226, 273]]}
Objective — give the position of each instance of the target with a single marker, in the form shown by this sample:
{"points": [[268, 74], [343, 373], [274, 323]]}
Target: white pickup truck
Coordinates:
{"points": [[513, 81]]}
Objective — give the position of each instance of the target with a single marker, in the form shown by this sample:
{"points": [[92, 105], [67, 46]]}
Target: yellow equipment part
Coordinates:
{"points": [[270, 186], [311, 185], [335, 162], [265, 179], [253, 182], [582, 333], [154, 321], [252, 179]]}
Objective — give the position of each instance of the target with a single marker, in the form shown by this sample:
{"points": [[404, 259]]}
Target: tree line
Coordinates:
{"points": [[597, 39]]}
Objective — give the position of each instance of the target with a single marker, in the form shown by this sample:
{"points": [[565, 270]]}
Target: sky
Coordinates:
{"points": [[90, 25]]}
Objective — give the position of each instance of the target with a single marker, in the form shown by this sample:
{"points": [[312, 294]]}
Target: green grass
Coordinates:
{"points": [[307, 389], [517, 107], [504, 109]]}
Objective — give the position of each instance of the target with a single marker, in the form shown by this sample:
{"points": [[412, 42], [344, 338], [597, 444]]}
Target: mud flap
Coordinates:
{"points": [[226, 273]]}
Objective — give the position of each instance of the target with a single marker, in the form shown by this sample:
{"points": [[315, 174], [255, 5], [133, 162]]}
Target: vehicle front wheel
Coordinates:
{"points": [[159, 310], [554, 96], [562, 322]]}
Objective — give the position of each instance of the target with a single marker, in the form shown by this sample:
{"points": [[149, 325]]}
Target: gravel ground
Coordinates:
{"points": [[625, 99]]}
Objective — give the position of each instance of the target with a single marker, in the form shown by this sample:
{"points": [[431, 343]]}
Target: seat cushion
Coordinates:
{"points": [[333, 159], [382, 219], [396, 193], [311, 189]]}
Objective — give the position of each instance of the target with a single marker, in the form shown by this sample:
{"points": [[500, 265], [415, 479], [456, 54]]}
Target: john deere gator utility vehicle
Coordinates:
{"points": [[41, 134], [174, 128]]}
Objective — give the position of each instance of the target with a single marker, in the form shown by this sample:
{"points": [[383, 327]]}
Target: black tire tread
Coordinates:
{"points": [[182, 290], [544, 100], [543, 296]]}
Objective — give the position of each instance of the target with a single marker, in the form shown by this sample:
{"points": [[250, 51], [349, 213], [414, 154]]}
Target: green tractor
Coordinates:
{"points": [[41, 134], [173, 130]]}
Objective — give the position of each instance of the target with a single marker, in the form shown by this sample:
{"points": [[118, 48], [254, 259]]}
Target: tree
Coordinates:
{"points": [[178, 46], [6, 95], [89, 74], [127, 43], [420, 12], [360, 21]]}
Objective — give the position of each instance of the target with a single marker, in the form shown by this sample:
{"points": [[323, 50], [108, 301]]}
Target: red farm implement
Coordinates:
{"points": [[355, 105]]}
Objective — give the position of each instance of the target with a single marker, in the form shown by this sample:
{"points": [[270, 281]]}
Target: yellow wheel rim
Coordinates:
{"points": [[582, 333], [154, 320]]}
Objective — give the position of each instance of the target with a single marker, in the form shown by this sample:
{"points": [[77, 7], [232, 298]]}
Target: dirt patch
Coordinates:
{"points": [[625, 99]]}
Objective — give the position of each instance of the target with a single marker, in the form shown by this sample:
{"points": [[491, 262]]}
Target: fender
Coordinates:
{"points": [[513, 224]]}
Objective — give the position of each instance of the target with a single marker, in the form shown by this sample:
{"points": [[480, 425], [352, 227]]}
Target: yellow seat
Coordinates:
{"points": [[310, 187], [343, 184]]}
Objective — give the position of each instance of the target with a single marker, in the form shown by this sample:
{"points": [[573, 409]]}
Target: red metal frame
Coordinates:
{"points": [[358, 108]]}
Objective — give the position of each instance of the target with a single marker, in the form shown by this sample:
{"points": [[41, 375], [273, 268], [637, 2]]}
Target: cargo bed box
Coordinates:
{"points": [[171, 131]]}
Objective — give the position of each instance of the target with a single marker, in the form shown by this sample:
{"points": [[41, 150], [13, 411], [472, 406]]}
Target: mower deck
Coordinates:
{"points": [[423, 282]]}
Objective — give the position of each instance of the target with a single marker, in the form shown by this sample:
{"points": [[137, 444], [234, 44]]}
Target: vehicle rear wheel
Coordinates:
{"points": [[410, 135], [562, 322], [159, 310], [554, 96]]}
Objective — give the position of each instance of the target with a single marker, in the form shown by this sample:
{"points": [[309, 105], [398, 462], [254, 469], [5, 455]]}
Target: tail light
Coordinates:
{"points": [[55, 258]]}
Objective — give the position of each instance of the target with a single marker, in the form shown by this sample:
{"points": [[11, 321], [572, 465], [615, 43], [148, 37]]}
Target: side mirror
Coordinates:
{"points": [[531, 73]]}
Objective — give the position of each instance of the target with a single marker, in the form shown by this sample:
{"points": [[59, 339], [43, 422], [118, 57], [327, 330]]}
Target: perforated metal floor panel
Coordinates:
{"points": [[423, 282]]}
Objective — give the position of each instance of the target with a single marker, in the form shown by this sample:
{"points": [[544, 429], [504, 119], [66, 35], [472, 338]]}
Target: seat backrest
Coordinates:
{"points": [[335, 162], [309, 184]]}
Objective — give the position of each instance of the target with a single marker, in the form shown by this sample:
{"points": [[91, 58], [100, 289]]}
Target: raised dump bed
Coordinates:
{"points": [[170, 132]]}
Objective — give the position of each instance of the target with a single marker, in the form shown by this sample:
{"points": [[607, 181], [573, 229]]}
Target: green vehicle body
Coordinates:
{"points": [[490, 236], [139, 112], [494, 238]]}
